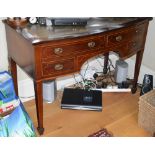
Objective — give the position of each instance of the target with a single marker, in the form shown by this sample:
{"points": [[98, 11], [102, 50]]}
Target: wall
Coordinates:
{"points": [[3, 52], [149, 54], [3, 48]]}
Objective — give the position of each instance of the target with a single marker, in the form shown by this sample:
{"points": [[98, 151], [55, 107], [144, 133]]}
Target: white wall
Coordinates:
{"points": [[149, 53], [3, 48]]}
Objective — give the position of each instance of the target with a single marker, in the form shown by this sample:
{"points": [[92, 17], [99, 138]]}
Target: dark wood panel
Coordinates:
{"points": [[126, 35], [72, 48], [119, 37], [137, 42], [20, 50], [83, 58], [58, 67]]}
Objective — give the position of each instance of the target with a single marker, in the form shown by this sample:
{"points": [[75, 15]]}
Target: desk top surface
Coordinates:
{"points": [[37, 34]]}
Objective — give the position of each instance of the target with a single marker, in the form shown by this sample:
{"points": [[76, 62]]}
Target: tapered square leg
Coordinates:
{"points": [[139, 57], [39, 105]]}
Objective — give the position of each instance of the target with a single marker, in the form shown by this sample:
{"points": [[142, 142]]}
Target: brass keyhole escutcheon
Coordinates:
{"points": [[58, 50], [58, 67]]}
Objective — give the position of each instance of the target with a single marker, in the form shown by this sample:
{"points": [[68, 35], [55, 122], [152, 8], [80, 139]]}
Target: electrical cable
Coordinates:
{"points": [[89, 84], [77, 82], [111, 63]]}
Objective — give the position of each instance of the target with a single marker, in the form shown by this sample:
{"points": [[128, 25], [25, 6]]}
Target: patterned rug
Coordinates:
{"points": [[101, 133]]}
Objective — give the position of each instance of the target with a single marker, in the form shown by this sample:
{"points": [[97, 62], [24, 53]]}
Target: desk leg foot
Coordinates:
{"points": [[40, 130], [133, 90]]}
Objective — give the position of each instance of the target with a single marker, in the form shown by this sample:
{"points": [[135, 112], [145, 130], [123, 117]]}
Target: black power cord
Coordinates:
{"points": [[99, 77]]}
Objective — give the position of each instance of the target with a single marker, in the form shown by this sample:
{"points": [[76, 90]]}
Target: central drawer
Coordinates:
{"points": [[72, 48], [57, 68]]}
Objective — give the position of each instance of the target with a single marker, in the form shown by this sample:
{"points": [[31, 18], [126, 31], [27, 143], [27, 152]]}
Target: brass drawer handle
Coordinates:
{"points": [[91, 44], [58, 67], [119, 38], [58, 50]]}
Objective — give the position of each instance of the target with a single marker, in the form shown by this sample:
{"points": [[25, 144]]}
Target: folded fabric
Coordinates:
{"points": [[7, 92], [18, 123]]}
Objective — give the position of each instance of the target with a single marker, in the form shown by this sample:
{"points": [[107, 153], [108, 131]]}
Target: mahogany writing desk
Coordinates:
{"points": [[46, 53]]}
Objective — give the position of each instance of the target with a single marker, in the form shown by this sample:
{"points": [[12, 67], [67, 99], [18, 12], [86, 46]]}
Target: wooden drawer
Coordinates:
{"points": [[138, 32], [137, 41], [119, 37], [72, 48], [58, 67], [81, 59], [127, 35], [135, 45]]}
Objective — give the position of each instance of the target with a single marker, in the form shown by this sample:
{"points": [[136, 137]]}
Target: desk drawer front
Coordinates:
{"points": [[127, 35], [55, 51], [138, 33], [119, 37], [58, 67], [136, 43]]}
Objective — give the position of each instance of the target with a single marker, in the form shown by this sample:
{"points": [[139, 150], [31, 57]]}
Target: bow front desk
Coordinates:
{"points": [[46, 52]]}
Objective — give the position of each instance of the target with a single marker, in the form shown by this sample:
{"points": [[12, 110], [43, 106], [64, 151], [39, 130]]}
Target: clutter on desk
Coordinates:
{"points": [[17, 22]]}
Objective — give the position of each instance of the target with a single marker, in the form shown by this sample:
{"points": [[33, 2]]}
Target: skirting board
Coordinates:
{"points": [[26, 89]]}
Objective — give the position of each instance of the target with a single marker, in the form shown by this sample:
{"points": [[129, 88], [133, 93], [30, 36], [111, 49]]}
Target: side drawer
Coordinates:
{"points": [[135, 45], [139, 31], [58, 67], [72, 48], [137, 41], [127, 35], [119, 37]]}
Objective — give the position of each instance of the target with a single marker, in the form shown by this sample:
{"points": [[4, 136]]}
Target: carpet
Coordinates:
{"points": [[102, 133]]}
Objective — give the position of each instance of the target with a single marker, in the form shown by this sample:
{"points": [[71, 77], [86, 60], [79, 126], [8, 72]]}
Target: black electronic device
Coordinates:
{"points": [[147, 84], [81, 99], [69, 21], [42, 21]]}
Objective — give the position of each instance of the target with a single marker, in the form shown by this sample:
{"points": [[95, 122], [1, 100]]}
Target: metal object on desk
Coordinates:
{"points": [[17, 22]]}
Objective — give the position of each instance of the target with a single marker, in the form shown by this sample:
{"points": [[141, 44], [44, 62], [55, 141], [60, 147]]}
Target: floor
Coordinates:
{"points": [[119, 116]]}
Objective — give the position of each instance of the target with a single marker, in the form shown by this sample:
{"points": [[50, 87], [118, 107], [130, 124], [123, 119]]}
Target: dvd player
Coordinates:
{"points": [[81, 99], [69, 21]]}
